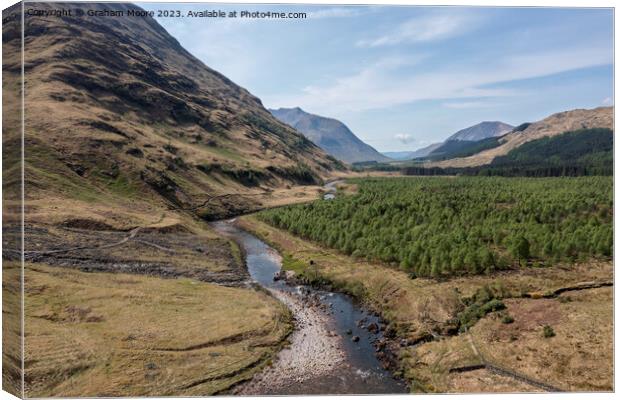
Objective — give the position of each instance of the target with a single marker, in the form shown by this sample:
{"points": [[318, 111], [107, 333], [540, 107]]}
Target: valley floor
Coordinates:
{"points": [[154, 302], [128, 298], [98, 334], [155, 310], [495, 355]]}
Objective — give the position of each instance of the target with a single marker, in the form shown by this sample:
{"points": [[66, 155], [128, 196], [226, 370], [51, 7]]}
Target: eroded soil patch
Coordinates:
{"points": [[148, 252]]}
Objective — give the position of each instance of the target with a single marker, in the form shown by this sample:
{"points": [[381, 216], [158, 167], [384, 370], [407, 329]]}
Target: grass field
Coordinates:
{"points": [[100, 334]]}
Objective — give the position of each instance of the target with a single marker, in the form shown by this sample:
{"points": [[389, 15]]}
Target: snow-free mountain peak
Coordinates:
{"points": [[483, 130], [330, 134]]}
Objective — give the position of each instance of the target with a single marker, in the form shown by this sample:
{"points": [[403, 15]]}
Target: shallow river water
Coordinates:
{"points": [[322, 357]]}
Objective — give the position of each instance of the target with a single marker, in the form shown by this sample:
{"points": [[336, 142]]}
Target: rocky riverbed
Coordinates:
{"points": [[314, 350], [331, 351]]}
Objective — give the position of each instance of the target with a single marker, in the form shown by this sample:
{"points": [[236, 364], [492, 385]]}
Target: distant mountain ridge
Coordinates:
{"points": [[554, 125], [331, 135], [410, 155], [457, 143], [483, 130]]}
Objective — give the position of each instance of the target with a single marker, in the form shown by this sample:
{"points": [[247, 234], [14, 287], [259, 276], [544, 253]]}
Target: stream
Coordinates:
{"points": [[330, 350], [331, 189]]}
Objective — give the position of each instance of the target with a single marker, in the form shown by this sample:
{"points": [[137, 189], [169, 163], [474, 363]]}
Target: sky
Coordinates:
{"points": [[403, 77]]}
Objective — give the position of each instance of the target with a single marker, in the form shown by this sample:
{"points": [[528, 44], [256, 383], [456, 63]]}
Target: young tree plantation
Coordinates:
{"points": [[440, 226]]}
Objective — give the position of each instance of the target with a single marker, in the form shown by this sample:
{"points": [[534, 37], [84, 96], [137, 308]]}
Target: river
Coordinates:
{"points": [[331, 189], [323, 357]]}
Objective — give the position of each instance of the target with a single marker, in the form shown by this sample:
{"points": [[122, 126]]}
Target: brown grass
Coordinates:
{"points": [[483, 381], [580, 355], [98, 334], [89, 141], [11, 328]]}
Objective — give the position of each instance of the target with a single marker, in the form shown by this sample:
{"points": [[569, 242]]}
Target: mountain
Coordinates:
{"points": [[462, 148], [329, 134], [119, 110], [481, 131], [582, 151], [464, 142], [554, 125], [470, 140], [410, 155]]}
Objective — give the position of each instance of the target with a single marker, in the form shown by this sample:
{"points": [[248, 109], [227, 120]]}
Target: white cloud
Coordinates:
{"points": [[607, 101], [388, 83], [467, 104], [404, 138], [432, 27]]}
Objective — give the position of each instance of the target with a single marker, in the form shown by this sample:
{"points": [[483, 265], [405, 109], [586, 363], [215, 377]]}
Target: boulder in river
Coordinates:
{"points": [[355, 338], [373, 327]]}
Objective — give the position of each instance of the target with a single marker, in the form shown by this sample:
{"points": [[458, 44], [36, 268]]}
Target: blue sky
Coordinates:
{"points": [[404, 77]]}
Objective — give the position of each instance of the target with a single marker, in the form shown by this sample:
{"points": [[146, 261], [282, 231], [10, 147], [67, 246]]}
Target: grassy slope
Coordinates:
{"points": [[67, 357], [462, 148], [115, 133], [132, 126], [416, 307], [555, 124], [588, 147], [11, 213], [179, 337], [11, 328]]}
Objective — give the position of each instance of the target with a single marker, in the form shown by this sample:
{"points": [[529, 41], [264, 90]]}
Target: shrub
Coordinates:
{"points": [[474, 312], [548, 331], [508, 319], [493, 305]]}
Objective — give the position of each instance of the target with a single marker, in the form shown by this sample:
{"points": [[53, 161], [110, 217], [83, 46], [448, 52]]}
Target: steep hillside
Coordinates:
{"points": [[119, 111], [585, 152], [553, 125], [331, 135], [462, 148], [582, 152]]}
